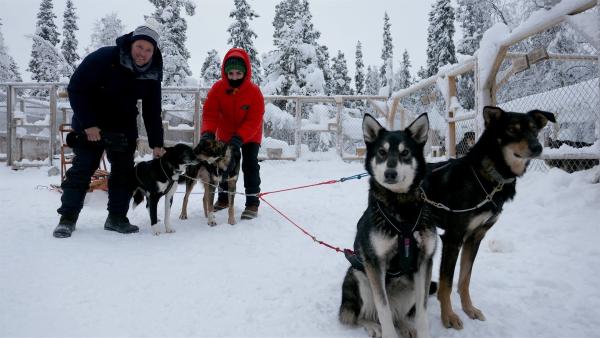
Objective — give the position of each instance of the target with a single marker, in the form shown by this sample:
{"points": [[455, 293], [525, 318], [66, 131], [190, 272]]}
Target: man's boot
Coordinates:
{"points": [[65, 226], [119, 223]]}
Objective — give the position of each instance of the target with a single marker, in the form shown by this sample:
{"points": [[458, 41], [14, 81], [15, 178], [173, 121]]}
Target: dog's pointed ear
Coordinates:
{"points": [[419, 129], [371, 128], [491, 114], [541, 117]]}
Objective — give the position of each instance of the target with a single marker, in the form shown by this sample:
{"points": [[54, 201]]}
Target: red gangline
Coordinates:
{"points": [[337, 249]]}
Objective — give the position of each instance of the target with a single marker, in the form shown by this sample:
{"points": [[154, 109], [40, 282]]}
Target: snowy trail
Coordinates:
{"points": [[535, 276]]}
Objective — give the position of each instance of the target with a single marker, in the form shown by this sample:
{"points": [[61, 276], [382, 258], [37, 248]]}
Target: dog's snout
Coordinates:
{"points": [[536, 149], [390, 174]]}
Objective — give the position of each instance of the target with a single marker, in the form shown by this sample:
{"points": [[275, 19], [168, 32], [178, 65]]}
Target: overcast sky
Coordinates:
{"points": [[341, 23]]}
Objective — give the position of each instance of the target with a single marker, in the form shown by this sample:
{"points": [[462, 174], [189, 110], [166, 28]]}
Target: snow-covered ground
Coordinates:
{"points": [[536, 274]]}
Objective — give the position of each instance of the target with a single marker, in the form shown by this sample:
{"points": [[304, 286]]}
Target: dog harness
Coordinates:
{"points": [[405, 260]]}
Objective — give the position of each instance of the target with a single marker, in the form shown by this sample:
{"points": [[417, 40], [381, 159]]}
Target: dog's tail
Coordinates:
{"points": [[138, 197]]}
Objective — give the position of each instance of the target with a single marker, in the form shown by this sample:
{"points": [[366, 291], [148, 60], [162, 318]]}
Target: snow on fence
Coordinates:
{"points": [[519, 71]]}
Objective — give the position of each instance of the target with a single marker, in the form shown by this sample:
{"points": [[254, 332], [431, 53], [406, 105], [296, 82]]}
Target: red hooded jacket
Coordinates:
{"points": [[231, 111]]}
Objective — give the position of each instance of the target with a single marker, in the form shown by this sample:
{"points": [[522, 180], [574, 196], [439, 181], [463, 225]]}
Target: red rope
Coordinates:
{"points": [[295, 188], [337, 249]]}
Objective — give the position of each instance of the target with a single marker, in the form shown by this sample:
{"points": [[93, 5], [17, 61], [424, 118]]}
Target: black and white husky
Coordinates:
{"points": [[158, 177], [385, 290]]}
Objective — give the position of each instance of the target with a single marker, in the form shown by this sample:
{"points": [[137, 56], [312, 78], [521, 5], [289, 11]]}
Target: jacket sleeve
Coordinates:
{"points": [[253, 122], [85, 81], [210, 111], [151, 112]]}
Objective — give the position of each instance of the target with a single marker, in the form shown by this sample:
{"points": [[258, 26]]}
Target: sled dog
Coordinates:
{"points": [[465, 196], [386, 286], [217, 161], [158, 177]]}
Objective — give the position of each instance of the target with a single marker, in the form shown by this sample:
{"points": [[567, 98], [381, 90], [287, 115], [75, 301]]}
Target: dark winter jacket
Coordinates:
{"points": [[234, 111], [104, 90]]}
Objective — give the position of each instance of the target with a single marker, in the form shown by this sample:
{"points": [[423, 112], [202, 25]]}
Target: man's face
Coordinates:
{"points": [[141, 52]]}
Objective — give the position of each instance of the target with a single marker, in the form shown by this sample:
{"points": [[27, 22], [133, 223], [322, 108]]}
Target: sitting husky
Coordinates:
{"points": [[158, 177], [465, 196], [391, 268], [217, 160]]}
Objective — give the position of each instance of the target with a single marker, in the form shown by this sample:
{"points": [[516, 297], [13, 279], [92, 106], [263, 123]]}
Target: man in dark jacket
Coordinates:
{"points": [[234, 110], [103, 92]]}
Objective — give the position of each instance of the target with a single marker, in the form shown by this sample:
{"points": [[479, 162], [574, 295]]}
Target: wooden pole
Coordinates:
{"points": [[10, 143], [197, 118], [53, 127], [298, 132], [451, 124]]}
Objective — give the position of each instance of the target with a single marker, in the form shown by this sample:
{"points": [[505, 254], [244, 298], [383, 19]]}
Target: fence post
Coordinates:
{"points": [[339, 103], [197, 118], [9, 124], [451, 124], [53, 127], [298, 133]]}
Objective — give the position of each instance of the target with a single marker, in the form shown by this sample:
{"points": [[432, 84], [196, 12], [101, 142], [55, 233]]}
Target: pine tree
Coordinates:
{"points": [[341, 80], [440, 46], [242, 36], [359, 77], [324, 64], [172, 39], [9, 71], [294, 67], [69, 43], [372, 83], [105, 32], [211, 68], [387, 52], [474, 19], [45, 30], [50, 64], [402, 77]]}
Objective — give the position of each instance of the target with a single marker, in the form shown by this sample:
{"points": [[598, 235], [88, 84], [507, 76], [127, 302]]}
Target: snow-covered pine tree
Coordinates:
{"points": [[474, 19], [241, 36], [341, 80], [172, 39], [69, 43], [387, 52], [105, 32], [45, 30], [211, 69], [402, 78], [293, 68], [440, 46], [359, 76], [9, 72], [372, 83], [324, 64], [49, 64]]}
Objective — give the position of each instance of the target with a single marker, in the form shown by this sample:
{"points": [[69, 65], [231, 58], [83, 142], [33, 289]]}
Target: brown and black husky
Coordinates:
{"points": [[386, 286], [465, 196], [217, 161]]}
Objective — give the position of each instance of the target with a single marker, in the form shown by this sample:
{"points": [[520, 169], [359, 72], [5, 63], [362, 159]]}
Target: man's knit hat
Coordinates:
{"points": [[235, 63], [148, 31]]}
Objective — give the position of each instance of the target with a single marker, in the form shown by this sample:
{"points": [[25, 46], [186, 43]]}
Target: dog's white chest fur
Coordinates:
{"points": [[478, 221], [383, 244]]}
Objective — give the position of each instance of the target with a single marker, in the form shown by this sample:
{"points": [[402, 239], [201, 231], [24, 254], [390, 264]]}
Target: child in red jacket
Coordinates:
{"points": [[233, 112]]}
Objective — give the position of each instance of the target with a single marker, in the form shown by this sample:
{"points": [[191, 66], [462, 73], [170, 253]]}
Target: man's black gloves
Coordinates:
{"points": [[110, 141], [207, 136], [236, 141]]}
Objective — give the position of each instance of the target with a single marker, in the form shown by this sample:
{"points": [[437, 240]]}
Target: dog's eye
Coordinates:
{"points": [[404, 153], [382, 152]]}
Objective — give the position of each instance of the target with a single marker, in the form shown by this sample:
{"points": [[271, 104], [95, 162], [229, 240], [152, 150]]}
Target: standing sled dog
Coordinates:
{"points": [[465, 196], [158, 178], [217, 161], [390, 275]]}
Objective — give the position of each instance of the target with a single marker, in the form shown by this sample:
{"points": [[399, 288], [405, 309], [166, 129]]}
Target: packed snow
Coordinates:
{"points": [[535, 275]]}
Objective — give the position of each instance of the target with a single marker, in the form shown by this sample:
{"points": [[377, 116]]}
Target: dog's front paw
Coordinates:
{"points": [[155, 230], [231, 220], [373, 330], [183, 216], [474, 313], [169, 230], [408, 332], [211, 220], [451, 320]]}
